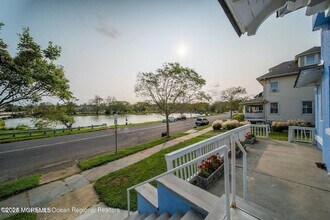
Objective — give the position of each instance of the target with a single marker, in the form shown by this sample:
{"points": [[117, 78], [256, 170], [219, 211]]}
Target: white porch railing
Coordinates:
{"points": [[184, 155], [301, 134], [254, 115], [195, 162], [260, 130]]}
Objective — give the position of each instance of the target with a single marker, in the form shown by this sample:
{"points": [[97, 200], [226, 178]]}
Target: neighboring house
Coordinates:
{"points": [[247, 16], [280, 100]]}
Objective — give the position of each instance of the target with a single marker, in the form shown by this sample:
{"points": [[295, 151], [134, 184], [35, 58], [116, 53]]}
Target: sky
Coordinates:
{"points": [[105, 43]]}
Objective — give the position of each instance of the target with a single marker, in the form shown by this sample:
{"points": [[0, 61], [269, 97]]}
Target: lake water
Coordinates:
{"points": [[96, 120]]}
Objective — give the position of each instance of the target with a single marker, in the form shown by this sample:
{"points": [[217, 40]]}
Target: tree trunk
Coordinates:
{"points": [[167, 125]]}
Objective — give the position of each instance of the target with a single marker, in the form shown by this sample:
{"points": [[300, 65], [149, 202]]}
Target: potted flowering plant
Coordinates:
{"points": [[250, 138], [210, 171]]}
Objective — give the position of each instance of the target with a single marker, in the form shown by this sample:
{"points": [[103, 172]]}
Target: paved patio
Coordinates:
{"points": [[283, 178]]}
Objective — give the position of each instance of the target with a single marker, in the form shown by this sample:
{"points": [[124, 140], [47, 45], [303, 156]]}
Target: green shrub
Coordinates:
{"points": [[300, 123], [2, 124], [217, 124], [22, 127], [230, 124], [239, 117], [242, 123], [279, 126]]}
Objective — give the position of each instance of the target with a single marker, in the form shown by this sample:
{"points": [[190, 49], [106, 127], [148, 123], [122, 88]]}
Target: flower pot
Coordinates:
{"points": [[206, 183], [250, 140]]}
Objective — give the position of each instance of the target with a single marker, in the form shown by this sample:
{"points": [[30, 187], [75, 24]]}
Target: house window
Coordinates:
{"points": [[274, 107], [307, 107], [310, 59], [274, 86]]}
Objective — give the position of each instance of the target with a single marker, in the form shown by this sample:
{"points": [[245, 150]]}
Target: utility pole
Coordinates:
{"points": [[116, 133]]}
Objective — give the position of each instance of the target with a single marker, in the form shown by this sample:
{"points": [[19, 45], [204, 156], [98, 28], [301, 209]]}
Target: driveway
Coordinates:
{"points": [[283, 177]]}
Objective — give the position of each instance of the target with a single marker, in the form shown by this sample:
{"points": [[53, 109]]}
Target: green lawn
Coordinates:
{"points": [[103, 159], [38, 135], [22, 137], [16, 186], [23, 216], [278, 136], [203, 127], [112, 187]]}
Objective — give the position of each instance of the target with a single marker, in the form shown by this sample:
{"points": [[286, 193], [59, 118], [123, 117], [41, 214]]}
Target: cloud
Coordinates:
{"points": [[109, 31], [214, 91], [106, 29]]}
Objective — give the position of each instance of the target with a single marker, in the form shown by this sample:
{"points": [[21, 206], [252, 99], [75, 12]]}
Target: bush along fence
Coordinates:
{"points": [[48, 131]]}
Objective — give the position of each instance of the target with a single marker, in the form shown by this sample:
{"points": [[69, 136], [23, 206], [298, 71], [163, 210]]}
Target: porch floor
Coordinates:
{"points": [[283, 178]]}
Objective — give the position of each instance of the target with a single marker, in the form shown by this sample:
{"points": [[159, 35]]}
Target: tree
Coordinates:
{"points": [[96, 102], [168, 86], [31, 74], [47, 114], [108, 101], [233, 97]]}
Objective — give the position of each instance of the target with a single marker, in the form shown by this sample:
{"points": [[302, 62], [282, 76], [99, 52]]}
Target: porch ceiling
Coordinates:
{"points": [[309, 77], [247, 15]]}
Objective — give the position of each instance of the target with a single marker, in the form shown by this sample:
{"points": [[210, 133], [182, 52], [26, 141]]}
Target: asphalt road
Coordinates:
{"points": [[44, 155]]}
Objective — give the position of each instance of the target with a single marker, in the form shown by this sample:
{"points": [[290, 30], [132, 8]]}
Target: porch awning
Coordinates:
{"points": [[246, 16], [309, 76], [255, 102]]}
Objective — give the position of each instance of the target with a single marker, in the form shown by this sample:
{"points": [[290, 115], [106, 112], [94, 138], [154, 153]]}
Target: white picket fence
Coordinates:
{"points": [[184, 155], [301, 134]]}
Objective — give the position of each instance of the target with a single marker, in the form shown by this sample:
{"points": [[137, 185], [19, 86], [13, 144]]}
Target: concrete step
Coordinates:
{"points": [[152, 216], [148, 192], [176, 216], [164, 216], [200, 200], [192, 215], [137, 216], [255, 210]]}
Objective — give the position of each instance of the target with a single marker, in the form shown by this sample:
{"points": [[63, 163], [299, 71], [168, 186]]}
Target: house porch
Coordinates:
{"points": [[283, 178]]}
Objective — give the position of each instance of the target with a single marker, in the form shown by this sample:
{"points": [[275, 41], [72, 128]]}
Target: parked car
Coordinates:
{"points": [[201, 121], [170, 119], [181, 117]]}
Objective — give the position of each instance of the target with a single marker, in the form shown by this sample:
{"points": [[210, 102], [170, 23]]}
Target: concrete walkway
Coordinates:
{"points": [[283, 178], [70, 193]]}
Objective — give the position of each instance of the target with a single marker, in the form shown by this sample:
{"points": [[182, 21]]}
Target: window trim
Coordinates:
{"points": [[302, 107], [270, 86], [278, 108]]}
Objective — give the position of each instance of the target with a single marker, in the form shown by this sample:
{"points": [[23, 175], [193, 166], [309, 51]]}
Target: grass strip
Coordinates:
{"points": [[199, 128], [278, 136], [16, 186], [23, 216], [23, 137], [106, 158], [112, 187]]}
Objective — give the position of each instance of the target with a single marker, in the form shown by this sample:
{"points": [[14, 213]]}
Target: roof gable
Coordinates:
{"points": [[283, 69]]}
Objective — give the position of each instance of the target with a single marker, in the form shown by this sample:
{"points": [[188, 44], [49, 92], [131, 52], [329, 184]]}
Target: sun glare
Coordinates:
{"points": [[182, 51]]}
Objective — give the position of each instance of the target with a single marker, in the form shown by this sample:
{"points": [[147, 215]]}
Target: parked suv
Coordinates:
{"points": [[201, 121]]}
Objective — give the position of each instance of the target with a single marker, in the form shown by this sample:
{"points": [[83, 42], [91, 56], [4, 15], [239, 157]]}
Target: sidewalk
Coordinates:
{"points": [[71, 192]]}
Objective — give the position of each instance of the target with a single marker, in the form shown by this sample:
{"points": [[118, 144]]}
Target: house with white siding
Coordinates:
{"points": [[280, 100]]}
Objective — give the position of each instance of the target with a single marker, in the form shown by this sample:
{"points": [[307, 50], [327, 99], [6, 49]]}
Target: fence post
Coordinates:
{"points": [[267, 131], [289, 134], [233, 171], [168, 162]]}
